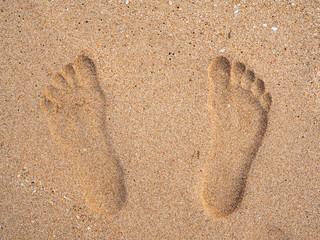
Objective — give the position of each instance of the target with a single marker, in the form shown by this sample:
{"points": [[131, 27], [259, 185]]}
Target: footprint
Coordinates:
{"points": [[75, 108], [239, 108]]}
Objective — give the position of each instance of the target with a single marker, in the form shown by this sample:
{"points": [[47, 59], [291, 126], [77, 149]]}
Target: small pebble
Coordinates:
{"points": [[222, 50], [274, 28]]}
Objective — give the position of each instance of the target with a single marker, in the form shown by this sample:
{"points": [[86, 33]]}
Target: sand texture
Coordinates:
{"points": [[159, 119]]}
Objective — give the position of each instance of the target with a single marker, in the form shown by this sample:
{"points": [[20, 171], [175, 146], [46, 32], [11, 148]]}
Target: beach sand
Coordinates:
{"points": [[153, 175]]}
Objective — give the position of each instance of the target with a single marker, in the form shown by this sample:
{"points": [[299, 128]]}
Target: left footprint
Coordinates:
{"points": [[75, 109]]}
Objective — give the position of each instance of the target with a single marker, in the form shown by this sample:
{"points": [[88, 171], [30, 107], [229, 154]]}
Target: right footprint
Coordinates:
{"points": [[239, 108]]}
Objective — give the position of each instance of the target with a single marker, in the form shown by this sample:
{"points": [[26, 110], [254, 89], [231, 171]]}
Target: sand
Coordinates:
{"points": [[153, 95]]}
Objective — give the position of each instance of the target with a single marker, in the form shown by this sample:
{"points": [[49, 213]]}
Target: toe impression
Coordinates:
{"points": [[238, 70], [257, 88], [54, 95], [60, 83], [266, 101], [85, 72], [219, 75], [69, 75], [46, 106], [247, 80]]}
